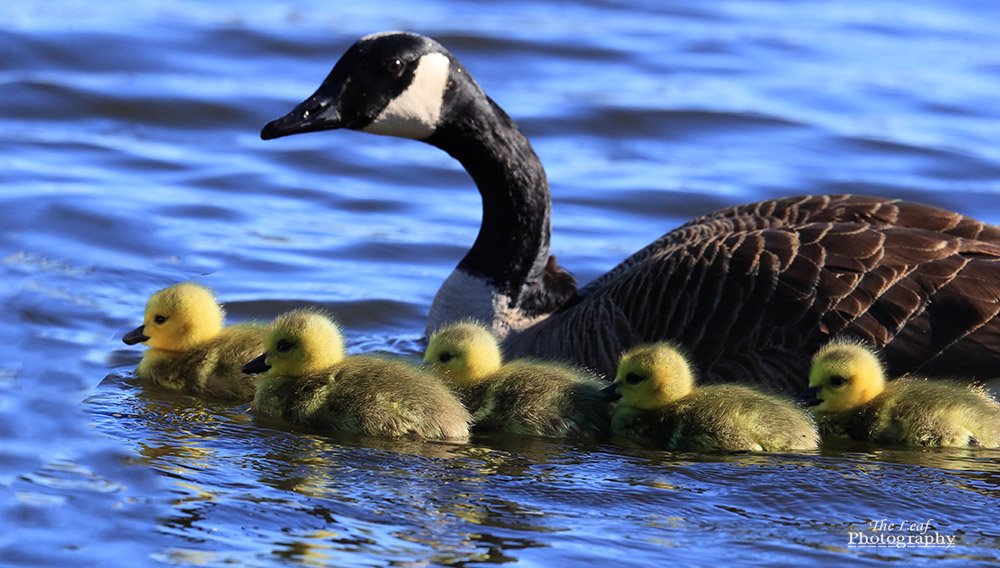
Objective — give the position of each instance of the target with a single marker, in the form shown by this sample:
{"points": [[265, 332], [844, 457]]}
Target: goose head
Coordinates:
{"points": [[651, 376], [178, 318], [463, 353], [390, 83], [300, 342], [843, 376], [410, 86]]}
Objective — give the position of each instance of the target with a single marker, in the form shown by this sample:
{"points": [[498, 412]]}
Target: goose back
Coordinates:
{"points": [[752, 291]]}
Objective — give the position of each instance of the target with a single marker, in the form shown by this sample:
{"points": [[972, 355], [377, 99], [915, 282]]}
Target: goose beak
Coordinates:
{"points": [[256, 366], [137, 335], [318, 112], [611, 392], [809, 397]]}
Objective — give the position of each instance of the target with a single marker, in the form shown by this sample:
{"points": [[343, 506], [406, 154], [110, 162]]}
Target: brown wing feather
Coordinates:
{"points": [[753, 291], [797, 211]]}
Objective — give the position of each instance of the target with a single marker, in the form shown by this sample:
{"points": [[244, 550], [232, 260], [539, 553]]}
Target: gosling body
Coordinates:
{"points": [[659, 407], [189, 349], [523, 396], [851, 398], [306, 378]]}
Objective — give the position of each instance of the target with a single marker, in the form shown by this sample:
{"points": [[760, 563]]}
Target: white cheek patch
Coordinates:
{"points": [[416, 111]]}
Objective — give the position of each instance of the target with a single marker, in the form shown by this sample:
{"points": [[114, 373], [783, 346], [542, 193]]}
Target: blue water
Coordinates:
{"points": [[130, 159]]}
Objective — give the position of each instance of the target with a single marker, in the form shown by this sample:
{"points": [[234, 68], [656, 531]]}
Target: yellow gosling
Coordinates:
{"points": [[522, 396], [850, 398], [189, 349], [660, 407], [306, 378]]}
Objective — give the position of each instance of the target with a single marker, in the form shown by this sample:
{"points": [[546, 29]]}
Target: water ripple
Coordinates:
{"points": [[133, 160]]}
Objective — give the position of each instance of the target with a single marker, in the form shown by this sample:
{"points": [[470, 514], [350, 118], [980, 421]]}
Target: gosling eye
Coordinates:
{"points": [[283, 346], [160, 319], [634, 378], [394, 66], [837, 381], [445, 357]]}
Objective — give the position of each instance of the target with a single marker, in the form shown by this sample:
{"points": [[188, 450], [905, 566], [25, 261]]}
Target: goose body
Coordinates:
{"points": [[306, 378], [189, 349], [750, 291], [523, 396], [851, 399], [659, 406]]}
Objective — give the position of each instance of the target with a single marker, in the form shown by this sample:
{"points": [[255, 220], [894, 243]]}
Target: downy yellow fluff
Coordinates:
{"points": [[659, 406], [851, 398], [189, 349], [306, 378], [522, 396]]}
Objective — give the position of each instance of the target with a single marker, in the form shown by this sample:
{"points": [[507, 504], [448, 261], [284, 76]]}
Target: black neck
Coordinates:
{"points": [[512, 248]]}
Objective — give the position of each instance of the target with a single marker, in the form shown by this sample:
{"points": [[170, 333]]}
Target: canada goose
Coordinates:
{"points": [[850, 398], [189, 350], [750, 290], [659, 406], [306, 378], [523, 396]]}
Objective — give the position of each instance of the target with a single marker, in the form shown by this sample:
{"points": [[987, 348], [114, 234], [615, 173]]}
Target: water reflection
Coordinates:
{"points": [[318, 498], [324, 493]]}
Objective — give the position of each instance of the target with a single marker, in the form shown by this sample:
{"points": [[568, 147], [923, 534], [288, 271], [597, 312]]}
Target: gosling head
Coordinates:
{"points": [[178, 318], [390, 83], [300, 342], [843, 375], [651, 376], [463, 353]]}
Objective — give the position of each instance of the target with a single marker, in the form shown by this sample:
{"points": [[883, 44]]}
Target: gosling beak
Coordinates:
{"points": [[318, 112], [809, 397], [611, 392], [137, 335], [256, 366]]}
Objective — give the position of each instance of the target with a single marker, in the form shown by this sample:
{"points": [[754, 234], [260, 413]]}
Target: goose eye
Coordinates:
{"points": [[445, 357], [394, 66], [283, 345], [837, 381], [160, 319], [633, 379]]}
